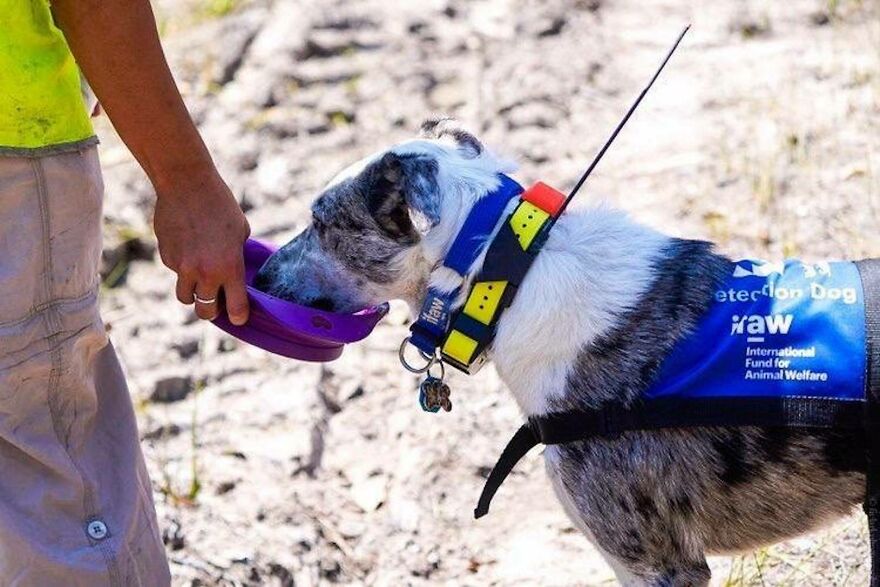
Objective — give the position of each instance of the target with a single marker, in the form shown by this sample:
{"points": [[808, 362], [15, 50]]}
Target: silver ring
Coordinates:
{"points": [[406, 365], [204, 300]]}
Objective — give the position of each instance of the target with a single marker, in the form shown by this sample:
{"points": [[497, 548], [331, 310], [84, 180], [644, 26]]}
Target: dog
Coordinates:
{"points": [[603, 304]]}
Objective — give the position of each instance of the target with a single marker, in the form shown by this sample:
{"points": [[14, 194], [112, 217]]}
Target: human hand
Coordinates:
{"points": [[201, 231]]}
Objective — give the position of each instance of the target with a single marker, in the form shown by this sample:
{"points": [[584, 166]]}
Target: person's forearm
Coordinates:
{"points": [[116, 45], [199, 226]]}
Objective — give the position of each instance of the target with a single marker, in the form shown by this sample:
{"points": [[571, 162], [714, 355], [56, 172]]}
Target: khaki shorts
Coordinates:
{"points": [[75, 500]]}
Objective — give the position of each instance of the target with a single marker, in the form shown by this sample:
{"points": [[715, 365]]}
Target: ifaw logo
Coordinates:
{"points": [[436, 312], [758, 325]]}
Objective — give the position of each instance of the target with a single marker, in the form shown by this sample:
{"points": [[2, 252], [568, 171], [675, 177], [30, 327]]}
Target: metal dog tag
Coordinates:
{"points": [[433, 395]]}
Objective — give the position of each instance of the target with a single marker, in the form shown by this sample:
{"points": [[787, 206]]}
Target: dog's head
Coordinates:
{"points": [[382, 225]]}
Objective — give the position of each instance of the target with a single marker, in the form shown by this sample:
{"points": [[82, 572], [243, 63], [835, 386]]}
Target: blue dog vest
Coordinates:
{"points": [[774, 330]]}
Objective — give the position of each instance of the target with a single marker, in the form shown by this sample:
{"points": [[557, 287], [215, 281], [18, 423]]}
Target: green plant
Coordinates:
{"points": [[219, 8], [169, 487]]}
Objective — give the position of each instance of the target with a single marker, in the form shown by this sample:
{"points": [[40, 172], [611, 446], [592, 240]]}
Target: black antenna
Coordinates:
{"points": [[620, 124]]}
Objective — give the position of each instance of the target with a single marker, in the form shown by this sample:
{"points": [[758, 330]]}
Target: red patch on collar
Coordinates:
{"points": [[544, 197]]}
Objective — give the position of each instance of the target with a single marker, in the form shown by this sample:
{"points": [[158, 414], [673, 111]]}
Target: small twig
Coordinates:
{"points": [[199, 565], [316, 451], [759, 565], [319, 429]]}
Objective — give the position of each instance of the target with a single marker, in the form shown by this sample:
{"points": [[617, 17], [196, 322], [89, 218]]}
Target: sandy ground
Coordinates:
{"points": [[763, 134]]}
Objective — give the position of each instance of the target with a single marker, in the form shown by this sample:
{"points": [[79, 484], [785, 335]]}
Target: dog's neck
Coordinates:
{"points": [[596, 265]]}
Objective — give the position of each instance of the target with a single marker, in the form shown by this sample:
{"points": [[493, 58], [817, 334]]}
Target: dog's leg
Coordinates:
{"points": [[645, 541], [686, 574], [657, 573], [646, 572], [683, 574]]}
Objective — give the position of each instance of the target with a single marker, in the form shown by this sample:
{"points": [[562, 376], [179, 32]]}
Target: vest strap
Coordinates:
{"points": [[611, 420], [521, 443]]}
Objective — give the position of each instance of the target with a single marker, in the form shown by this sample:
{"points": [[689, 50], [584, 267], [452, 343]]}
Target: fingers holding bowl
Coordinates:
{"points": [[215, 285], [235, 301], [185, 289]]}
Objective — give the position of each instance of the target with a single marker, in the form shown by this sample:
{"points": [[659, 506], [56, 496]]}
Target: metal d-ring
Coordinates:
{"points": [[430, 360]]}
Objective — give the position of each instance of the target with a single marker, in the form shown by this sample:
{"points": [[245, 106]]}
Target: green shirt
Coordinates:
{"points": [[41, 103]]}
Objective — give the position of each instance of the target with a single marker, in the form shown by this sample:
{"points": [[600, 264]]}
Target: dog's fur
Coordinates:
{"points": [[601, 307]]}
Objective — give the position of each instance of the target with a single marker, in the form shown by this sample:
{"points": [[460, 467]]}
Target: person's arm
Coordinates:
{"points": [[198, 223]]}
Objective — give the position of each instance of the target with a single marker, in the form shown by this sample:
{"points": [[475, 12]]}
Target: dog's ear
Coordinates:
{"points": [[446, 126], [403, 196]]}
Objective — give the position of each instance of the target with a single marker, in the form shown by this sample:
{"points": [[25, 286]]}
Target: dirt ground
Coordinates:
{"points": [[763, 134]]}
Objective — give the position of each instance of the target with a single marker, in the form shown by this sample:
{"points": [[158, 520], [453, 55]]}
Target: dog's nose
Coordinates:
{"points": [[325, 304]]}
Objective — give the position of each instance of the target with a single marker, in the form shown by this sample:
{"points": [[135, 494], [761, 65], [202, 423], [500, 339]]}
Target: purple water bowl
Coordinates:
{"points": [[291, 330]]}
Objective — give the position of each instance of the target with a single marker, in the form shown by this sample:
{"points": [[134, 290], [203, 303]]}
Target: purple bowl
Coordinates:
{"points": [[291, 330]]}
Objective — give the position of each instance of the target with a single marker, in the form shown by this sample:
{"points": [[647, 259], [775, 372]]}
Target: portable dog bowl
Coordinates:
{"points": [[292, 330]]}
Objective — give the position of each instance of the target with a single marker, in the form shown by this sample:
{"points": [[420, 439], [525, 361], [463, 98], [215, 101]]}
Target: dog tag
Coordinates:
{"points": [[433, 395]]}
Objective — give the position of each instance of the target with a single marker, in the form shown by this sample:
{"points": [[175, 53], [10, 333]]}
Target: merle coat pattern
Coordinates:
{"points": [[654, 503]]}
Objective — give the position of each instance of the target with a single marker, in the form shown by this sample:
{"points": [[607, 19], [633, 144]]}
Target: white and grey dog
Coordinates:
{"points": [[597, 313]]}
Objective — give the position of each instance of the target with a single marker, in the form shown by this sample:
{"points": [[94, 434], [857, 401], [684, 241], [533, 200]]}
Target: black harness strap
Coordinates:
{"points": [[521, 443], [655, 414], [613, 419], [869, 270]]}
